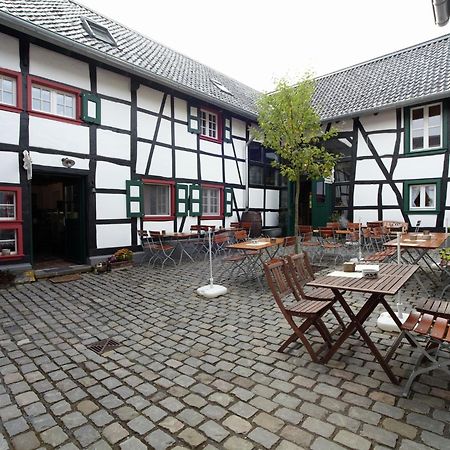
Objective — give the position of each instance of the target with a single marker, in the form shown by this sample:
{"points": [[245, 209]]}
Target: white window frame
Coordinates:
{"points": [[14, 91], [207, 197], [168, 213], [8, 205], [426, 135], [53, 101], [206, 129], [422, 188]]}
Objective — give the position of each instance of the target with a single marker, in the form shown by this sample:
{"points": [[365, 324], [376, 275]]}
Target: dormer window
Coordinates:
{"points": [[220, 86], [98, 31]]}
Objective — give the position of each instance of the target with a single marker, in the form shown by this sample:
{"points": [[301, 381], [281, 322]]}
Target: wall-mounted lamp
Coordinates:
{"points": [[67, 162]]}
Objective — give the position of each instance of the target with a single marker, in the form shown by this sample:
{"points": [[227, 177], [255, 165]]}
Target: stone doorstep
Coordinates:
{"points": [[59, 271]]}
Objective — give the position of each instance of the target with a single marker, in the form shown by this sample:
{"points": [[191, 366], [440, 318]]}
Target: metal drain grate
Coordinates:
{"points": [[103, 346]]}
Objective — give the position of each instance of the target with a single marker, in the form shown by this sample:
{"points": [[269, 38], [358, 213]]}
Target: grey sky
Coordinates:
{"points": [[259, 41]]}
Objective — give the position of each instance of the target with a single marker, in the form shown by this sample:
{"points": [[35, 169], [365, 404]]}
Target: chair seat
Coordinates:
{"points": [[234, 258], [428, 325], [320, 293], [308, 307], [434, 307], [161, 247]]}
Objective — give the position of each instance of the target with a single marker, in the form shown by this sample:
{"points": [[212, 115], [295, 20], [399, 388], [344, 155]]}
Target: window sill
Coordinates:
{"points": [[421, 211], [157, 218], [10, 108], [431, 151], [10, 257], [210, 139], [220, 217], [55, 117]]}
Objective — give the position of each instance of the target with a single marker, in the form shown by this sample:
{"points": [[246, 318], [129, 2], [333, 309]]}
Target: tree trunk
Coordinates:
{"points": [[296, 206]]}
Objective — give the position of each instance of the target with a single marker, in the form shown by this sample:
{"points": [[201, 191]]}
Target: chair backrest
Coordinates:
{"points": [[240, 235], [220, 239], [289, 241], [333, 225], [247, 226], [352, 226], [305, 232], [301, 273], [326, 233], [374, 224], [199, 228]]}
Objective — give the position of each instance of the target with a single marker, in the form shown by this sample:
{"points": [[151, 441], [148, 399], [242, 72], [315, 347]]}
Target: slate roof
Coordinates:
{"points": [[417, 73], [160, 63]]}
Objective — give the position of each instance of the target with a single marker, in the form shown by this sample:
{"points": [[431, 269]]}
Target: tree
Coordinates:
{"points": [[289, 125]]}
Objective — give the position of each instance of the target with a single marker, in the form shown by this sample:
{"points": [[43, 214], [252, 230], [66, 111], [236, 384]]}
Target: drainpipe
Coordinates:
{"points": [[246, 199], [441, 12]]}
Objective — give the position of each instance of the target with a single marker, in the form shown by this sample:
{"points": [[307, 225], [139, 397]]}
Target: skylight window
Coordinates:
{"points": [[98, 31], [220, 86]]}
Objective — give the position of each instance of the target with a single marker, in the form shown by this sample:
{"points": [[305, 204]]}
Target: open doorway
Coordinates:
{"points": [[304, 207], [59, 228]]}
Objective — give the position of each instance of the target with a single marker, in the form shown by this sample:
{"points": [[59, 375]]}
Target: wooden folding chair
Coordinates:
{"points": [[436, 330], [159, 250], [289, 244], [302, 272], [293, 307]]}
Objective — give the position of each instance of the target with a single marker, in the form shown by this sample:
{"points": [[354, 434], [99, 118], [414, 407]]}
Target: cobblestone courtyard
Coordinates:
{"points": [[194, 373]]}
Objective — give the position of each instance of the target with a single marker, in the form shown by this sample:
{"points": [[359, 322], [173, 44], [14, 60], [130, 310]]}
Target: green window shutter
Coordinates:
{"points": [[193, 119], [195, 194], [135, 198], [90, 108], [228, 202], [182, 200], [227, 129]]}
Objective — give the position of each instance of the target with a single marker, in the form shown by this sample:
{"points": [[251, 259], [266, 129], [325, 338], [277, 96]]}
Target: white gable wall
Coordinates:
{"points": [[9, 52]]}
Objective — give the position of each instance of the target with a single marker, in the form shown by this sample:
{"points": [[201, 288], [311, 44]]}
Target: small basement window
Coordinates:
{"points": [[98, 31]]}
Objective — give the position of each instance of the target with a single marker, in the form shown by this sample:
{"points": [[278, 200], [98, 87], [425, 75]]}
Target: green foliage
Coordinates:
{"points": [[290, 126], [445, 254]]}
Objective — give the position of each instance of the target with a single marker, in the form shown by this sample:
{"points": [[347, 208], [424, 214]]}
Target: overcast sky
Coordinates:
{"points": [[259, 41]]}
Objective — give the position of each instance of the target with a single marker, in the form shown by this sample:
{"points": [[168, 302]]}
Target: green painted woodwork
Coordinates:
{"points": [[406, 197], [182, 200], [86, 98], [228, 202], [135, 198], [321, 203], [227, 133], [193, 117], [195, 195]]}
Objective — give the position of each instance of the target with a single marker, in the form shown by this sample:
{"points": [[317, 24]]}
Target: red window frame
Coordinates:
{"points": [[18, 78], [56, 87], [221, 214], [218, 139], [169, 183], [14, 224]]}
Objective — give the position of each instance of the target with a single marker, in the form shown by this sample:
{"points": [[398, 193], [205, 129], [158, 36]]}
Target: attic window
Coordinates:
{"points": [[98, 31], [220, 86]]}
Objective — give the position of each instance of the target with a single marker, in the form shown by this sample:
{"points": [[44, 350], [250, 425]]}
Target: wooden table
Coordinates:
{"points": [[391, 278], [418, 249], [181, 238]]}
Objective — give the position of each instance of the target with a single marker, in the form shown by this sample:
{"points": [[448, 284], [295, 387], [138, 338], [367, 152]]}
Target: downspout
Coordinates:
{"points": [[247, 193], [441, 12]]}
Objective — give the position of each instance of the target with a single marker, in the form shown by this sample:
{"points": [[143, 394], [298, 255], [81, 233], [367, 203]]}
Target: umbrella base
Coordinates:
{"points": [[212, 290], [386, 323]]}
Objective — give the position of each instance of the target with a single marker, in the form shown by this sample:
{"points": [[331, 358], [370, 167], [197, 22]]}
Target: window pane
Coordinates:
{"points": [[8, 98], [8, 240], [60, 99], [7, 205], [434, 137], [256, 174], [45, 95], [8, 85], [255, 152], [417, 139], [60, 110], [270, 156], [211, 201], [46, 106], [417, 114], [415, 196], [430, 196], [342, 193], [156, 200], [434, 111], [36, 93]]}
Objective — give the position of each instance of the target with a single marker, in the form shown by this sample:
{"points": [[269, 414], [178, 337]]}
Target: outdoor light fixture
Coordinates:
{"points": [[67, 162], [441, 11]]}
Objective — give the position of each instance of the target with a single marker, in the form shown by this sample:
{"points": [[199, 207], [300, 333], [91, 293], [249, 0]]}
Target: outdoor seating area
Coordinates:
{"points": [[190, 372]]}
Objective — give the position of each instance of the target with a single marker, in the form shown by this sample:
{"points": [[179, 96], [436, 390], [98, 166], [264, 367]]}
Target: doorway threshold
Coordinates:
{"points": [[58, 271]]}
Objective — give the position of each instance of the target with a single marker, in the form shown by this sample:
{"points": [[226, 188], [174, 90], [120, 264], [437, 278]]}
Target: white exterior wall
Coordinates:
{"points": [[114, 235], [9, 172], [113, 145], [116, 115], [9, 52], [113, 85], [9, 127]]}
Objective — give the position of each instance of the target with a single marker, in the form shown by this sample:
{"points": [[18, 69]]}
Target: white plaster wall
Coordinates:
{"points": [[9, 167], [211, 168], [9, 127], [419, 167], [393, 214], [238, 128], [384, 120], [368, 169], [143, 153], [45, 159], [384, 143], [228, 149], [161, 164], [160, 225], [427, 220], [111, 176], [180, 109], [165, 132], [187, 223], [183, 138], [231, 172], [185, 164], [113, 84], [57, 67], [9, 52], [146, 125], [272, 199], [114, 235], [365, 215], [388, 195], [211, 147], [111, 206], [113, 145], [271, 219], [148, 98], [448, 195], [363, 149], [47, 133], [239, 147], [167, 111], [256, 198], [116, 115], [239, 195], [366, 195]]}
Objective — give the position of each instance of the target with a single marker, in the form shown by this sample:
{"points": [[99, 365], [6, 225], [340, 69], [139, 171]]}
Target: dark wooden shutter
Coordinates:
{"points": [[135, 198], [228, 202], [90, 108], [227, 136], [195, 194], [193, 119], [182, 200]]}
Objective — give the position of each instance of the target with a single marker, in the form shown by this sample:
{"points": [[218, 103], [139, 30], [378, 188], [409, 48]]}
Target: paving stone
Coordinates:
{"points": [[100, 445], [352, 440], [243, 409], [195, 400], [214, 411], [297, 435], [114, 432], [26, 398], [289, 415], [54, 436], [126, 413], [159, 440], [190, 417], [172, 404], [140, 425], [344, 421], [74, 419], [379, 435], [25, 441], [263, 437], [435, 440], [35, 409], [268, 422], [388, 410], [400, 428], [155, 413], [425, 423], [101, 418], [133, 444], [86, 407], [10, 412], [192, 437], [16, 426], [364, 415], [86, 435], [237, 443], [318, 427], [237, 424], [286, 445], [324, 444], [214, 431]]}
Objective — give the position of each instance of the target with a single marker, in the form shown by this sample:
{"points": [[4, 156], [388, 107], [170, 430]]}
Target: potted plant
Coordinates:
{"points": [[121, 258], [445, 257]]}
